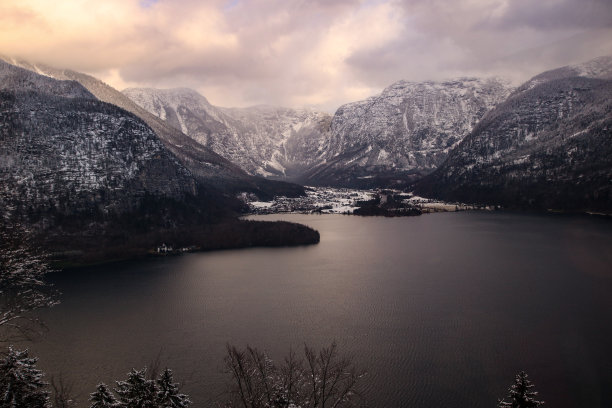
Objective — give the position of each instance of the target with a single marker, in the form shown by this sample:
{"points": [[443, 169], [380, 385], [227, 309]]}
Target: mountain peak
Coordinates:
{"points": [[16, 78], [175, 95], [600, 67], [597, 68]]}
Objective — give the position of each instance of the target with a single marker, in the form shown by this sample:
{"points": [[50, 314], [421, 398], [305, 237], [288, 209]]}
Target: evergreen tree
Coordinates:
{"points": [[21, 384], [521, 394], [137, 391], [103, 398], [168, 395]]}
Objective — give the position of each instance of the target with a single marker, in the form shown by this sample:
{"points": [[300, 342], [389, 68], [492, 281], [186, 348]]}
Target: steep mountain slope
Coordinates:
{"points": [[66, 154], [548, 146], [405, 132], [264, 140], [207, 166], [292, 139]]}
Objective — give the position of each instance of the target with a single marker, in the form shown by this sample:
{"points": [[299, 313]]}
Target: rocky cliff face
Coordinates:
{"points": [[63, 153], [548, 146], [405, 132], [263, 140], [287, 141]]}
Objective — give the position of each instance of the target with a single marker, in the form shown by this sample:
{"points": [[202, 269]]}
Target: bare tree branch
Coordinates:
{"points": [[62, 393], [22, 286], [324, 380]]}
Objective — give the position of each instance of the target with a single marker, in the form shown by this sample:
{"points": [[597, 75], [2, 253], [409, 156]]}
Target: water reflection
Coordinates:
{"points": [[442, 309]]}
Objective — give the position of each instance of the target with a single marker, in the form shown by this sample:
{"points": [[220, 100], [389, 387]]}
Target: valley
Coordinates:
{"points": [[83, 162], [414, 226]]}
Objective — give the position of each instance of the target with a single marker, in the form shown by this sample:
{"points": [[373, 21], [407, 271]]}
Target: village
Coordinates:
{"points": [[326, 200], [346, 201]]}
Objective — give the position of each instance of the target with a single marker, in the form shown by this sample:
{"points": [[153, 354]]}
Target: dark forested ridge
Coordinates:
{"points": [[73, 155], [120, 243]]}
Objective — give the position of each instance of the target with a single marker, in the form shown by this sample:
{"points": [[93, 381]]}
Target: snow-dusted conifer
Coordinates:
{"points": [[521, 394], [137, 391], [21, 383], [168, 395], [103, 398]]}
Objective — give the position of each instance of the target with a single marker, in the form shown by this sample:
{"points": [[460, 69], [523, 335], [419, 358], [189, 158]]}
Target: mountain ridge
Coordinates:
{"points": [[548, 146], [66, 152], [405, 131], [262, 139], [363, 141], [90, 181], [207, 166]]}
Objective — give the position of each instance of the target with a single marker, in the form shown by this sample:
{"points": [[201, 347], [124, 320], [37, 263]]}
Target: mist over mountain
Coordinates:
{"points": [[263, 140], [600, 68]]}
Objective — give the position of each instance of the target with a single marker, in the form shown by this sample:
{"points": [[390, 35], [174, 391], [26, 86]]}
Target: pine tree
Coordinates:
{"points": [[21, 384], [521, 394], [137, 391], [103, 398], [168, 395]]}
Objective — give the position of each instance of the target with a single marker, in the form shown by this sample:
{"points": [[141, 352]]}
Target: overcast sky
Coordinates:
{"points": [[319, 53]]}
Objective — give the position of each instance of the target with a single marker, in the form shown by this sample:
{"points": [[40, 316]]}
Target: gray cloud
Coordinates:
{"points": [[554, 15], [516, 39], [297, 52]]}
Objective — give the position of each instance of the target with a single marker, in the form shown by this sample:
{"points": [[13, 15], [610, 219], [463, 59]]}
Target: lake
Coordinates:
{"points": [[442, 310]]}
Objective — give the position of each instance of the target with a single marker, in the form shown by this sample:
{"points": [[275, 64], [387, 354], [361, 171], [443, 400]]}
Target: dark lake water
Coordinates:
{"points": [[442, 310]]}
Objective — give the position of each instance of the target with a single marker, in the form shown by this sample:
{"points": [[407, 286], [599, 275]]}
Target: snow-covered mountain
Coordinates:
{"points": [[549, 145], [405, 132], [91, 181], [208, 167], [264, 140], [66, 154], [596, 68]]}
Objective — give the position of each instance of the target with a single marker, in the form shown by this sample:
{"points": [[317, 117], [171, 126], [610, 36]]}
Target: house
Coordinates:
{"points": [[164, 249]]}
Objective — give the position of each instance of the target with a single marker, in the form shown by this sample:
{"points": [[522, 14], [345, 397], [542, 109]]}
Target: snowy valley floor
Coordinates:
{"points": [[328, 200]]}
